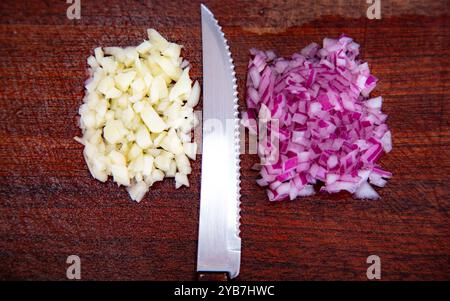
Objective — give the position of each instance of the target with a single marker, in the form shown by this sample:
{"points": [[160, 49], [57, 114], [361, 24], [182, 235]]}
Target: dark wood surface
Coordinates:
{"points": [[50, 207]]}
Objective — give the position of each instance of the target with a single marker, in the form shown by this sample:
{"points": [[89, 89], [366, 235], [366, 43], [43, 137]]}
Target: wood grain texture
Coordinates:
{"points": [[51, 208]]}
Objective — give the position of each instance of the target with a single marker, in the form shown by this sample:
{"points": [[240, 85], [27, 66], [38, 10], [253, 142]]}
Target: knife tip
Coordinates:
{"points": [[204, 8]]}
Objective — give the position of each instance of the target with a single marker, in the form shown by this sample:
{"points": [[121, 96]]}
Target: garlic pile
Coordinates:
{"points": [[137, 115]]}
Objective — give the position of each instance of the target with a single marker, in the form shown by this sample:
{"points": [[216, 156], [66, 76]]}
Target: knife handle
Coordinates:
{"points": [[212, 276]]}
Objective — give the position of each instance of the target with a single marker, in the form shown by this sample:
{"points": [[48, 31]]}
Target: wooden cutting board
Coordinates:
{"points": [[51, 208]]}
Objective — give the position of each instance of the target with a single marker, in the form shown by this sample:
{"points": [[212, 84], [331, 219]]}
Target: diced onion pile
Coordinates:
{"points": [[329, 133], [137, 115]]}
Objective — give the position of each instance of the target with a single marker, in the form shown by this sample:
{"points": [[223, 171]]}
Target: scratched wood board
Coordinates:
{"points": [[50, 207]]}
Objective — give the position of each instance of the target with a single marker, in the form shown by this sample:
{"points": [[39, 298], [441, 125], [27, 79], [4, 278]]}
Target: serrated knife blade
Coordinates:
{"points": [[219, 244]]}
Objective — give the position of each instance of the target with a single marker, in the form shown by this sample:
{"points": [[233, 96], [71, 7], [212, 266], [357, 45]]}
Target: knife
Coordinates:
{"points": [[219, 243]]}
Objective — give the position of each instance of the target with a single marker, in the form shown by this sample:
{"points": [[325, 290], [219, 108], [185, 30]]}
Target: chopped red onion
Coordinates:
{"points": [[321, 125]]}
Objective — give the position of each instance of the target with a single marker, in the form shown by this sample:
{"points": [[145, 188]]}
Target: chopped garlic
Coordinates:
{"points": [[183, 86], [144, 47], [114, 131], [180, 180], [117, 158], [190, 149], [120, 174], [147, 165], [143, 137], [157, 39], [124, 80], [194, 96], [158, 89], [172, 169], [157, 175], [172, 143], [137, 115], [138, 191], [152, 120], [183, 164], [162, 161]]}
